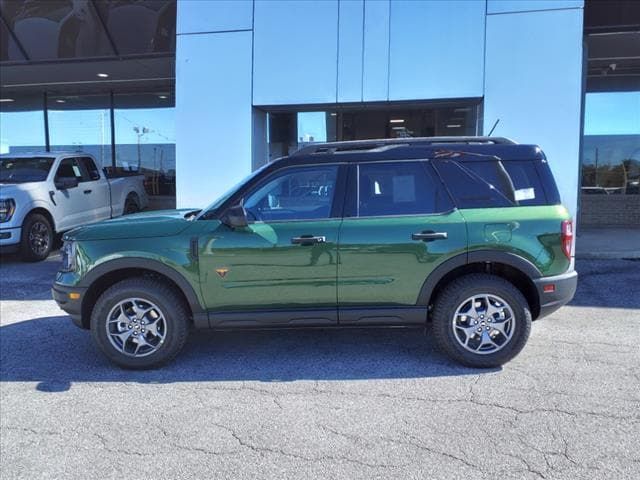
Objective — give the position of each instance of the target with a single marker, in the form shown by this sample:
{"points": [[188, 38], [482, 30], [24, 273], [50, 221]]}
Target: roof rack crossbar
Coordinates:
{"points": [[364, 145]]}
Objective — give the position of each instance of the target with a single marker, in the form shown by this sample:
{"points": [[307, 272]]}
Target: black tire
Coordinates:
{"points": [[130, 205], [171, 306], [37, 238], [454, 294]]}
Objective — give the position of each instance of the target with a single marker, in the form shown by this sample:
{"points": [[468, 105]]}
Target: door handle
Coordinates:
{"points": [[429, 236], [307, 240], [87, 192]]}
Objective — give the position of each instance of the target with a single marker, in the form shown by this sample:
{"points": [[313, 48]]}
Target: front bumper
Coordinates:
{"points": [[10, 239], [73, 306], [564, 288]]}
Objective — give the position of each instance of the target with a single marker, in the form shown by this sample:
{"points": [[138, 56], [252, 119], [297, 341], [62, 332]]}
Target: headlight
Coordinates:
{"points": [[68, 252], [7, 207]]}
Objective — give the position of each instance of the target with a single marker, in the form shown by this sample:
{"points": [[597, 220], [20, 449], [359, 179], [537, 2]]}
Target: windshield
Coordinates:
{"points": [[210, 211], [22, 170]]}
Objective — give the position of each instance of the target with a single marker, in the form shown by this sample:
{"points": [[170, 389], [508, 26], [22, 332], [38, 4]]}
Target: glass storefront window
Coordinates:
{"points": [[81, 124], [290, 130], [21, 124], [611, 144], [145, 142]]}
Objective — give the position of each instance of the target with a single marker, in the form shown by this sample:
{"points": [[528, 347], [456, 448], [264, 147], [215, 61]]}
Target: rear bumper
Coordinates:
{"points": [[73, 307], [563, 291]]}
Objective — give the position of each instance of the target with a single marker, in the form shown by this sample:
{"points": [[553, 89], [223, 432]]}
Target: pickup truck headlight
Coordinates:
{"points": [[7, 207], [68, 252]]}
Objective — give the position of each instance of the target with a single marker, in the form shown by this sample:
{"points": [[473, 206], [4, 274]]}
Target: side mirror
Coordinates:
{"points": [[236, 217], [65, 183]]}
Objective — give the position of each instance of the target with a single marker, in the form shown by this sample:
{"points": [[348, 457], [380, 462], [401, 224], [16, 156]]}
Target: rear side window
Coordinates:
{"points": [[399, 188], [526, 183], [90, 167], [470, 189], [493, 183]]}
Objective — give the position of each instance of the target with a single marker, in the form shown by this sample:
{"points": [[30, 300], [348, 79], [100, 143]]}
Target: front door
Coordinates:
{"points": [[400, 225], [281, 268], [71, 209]]}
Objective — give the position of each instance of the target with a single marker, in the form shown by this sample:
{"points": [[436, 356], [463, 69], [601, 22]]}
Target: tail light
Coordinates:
{"points": [[567, 237]]}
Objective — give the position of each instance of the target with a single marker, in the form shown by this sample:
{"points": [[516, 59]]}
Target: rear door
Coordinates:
{"points": [[399, 225]]}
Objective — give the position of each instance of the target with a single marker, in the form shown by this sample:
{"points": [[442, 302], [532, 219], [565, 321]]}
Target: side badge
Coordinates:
{"points": [[222, 272]]}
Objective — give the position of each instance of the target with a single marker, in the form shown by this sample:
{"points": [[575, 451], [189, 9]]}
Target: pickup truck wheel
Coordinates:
{"points": [[37, 238], [140, 323], [481, 320], [130, 206]]}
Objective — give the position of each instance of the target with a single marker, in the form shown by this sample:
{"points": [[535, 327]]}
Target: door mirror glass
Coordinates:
{"points": [[64, 183], [236, 217]]}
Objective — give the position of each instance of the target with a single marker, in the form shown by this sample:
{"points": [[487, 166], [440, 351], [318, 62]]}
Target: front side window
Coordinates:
{"points": [[399, 188], [300, 193], [70, 168]]}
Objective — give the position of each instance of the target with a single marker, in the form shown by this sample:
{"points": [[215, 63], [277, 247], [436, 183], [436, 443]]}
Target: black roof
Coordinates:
{"points": [[415, 148]]}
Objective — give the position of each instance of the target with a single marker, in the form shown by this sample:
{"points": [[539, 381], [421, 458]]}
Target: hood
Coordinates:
{"points": [[162, 223], [11, 190]]}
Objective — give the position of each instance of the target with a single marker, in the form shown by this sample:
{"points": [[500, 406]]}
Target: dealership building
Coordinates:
{"points": [[196, 94]]}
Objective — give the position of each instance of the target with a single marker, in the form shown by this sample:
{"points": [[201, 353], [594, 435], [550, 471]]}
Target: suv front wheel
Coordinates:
{"points": [[140, 323], [481, 320]]}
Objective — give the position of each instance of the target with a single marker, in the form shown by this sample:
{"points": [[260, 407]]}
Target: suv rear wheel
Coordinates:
{"points": [[481, 320], [140, 323]]}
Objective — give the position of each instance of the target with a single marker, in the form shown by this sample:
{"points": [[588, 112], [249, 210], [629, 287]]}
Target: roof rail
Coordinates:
{"points": [[365, 145]]}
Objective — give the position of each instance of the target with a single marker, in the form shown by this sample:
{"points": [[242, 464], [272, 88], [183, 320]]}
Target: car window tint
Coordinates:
{"points": [[300, 193], [469, 189], [526, 182], [90, 167], [70, 168], [494, 173], [399, 188]]}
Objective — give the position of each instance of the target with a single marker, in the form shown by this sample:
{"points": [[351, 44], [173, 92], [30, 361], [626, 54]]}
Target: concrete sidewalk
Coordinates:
{"points": [[611, 242]]}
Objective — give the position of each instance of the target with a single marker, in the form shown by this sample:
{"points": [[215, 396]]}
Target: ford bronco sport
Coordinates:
{"points": [[465, 234]]}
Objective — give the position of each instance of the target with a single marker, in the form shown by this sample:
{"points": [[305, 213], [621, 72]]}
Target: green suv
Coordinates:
{"points": [[464, 235]]}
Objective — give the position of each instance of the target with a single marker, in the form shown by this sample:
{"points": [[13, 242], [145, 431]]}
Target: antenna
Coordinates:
{"points": [[494, 127]]}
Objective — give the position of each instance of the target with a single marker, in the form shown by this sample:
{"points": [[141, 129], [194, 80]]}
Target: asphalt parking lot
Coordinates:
{"points": [[324, 404]]}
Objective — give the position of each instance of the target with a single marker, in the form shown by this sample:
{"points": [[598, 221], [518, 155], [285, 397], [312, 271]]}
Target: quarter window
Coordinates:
{"points": [[399, 188], [303, 193]]}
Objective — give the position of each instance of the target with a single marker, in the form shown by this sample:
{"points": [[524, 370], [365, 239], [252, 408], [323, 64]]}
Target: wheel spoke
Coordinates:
{"points": [[123, 336], [500, 327]]}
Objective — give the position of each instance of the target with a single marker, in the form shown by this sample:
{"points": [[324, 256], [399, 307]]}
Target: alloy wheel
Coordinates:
{"points": [[483, 324], [136, 327]]}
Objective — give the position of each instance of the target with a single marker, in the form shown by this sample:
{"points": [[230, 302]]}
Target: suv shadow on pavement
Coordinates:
{"points": [[31, 352]]}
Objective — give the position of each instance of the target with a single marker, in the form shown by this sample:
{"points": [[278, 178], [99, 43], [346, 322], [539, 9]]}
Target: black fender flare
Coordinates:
{"points": [[475, 256], [153, 266]]}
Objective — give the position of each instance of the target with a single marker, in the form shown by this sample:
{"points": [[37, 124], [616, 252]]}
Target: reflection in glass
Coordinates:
{"points": [[290, 130], [53, 29], [611, 144], [145, 142], [81, 124], [21, 124]]}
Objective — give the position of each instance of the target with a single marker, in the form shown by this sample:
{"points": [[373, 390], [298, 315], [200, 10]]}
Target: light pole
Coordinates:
{"points": [[140, 132]]}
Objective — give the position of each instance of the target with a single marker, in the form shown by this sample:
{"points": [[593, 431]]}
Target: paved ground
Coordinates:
{"points": [[608, 242], [324, 404]]}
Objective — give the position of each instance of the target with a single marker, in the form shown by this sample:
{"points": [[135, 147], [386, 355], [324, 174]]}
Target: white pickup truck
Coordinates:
{"points": [[42, 194]]}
